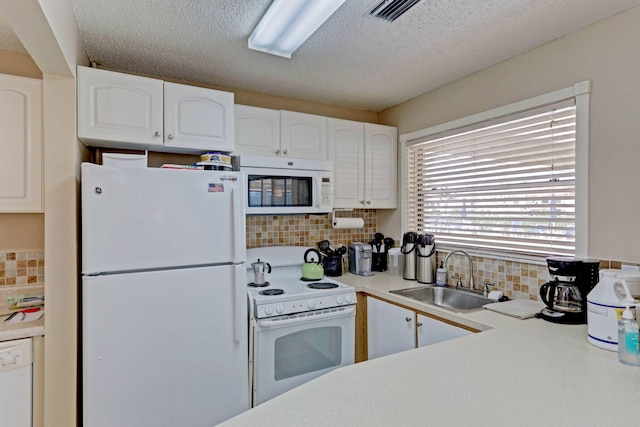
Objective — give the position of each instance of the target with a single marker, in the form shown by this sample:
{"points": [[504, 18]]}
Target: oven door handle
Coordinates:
{"points": [[274, 323]]}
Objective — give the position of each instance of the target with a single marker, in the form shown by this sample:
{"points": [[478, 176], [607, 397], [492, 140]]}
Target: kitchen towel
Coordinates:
{"points": [[519, 308]]}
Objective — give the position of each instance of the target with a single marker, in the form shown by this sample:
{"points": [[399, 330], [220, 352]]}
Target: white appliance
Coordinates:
{"points": [[16, 383], [164, 310], [605, 304], [281, 186], [299, 329]]}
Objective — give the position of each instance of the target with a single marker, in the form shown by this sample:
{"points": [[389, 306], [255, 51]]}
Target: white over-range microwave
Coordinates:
{"points": [[281, 186]]}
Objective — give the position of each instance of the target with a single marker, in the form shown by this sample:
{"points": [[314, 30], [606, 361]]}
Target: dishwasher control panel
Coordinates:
{"points": [[15, 354]]}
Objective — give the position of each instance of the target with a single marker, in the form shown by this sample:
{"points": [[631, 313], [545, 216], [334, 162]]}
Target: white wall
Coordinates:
{"points": [[608, 54]]}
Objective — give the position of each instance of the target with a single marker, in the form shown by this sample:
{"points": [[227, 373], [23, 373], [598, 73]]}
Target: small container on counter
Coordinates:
{"points": [[628, 349], [395, 262]]}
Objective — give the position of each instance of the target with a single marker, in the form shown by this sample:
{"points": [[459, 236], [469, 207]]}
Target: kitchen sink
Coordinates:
{"points": [[452, 298]]}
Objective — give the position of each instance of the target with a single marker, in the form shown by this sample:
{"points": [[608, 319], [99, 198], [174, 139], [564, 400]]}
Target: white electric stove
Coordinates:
{"points": [[285, 292], [299, 329]]}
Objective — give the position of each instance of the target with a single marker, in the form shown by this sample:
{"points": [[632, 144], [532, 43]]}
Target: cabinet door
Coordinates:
{"points": [[303, 136], [122, 109], [197, 118], [380, 166], [431, 331], [257, 131], [390, 328], [345, 140], [20, 144]]}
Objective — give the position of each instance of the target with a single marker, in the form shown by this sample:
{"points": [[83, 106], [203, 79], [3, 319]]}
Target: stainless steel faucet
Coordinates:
{"points": [[472, 285]]}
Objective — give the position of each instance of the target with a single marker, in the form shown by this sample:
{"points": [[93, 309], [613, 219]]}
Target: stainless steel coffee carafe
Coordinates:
{"points": [[425, 259], [408, 249]]}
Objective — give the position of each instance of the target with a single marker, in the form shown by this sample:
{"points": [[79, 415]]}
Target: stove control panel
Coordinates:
{"points": [[308, 304]]}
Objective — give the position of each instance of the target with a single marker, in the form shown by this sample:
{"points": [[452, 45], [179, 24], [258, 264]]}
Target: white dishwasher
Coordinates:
{"points": [[15, 382]]}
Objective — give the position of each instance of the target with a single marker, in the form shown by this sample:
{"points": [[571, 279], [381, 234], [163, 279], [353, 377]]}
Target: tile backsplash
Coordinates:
{"points": [[515, 279], [308, 230], [19, 268]]}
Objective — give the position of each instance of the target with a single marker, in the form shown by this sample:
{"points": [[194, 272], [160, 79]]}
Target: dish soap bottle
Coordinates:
{"points": [[441, 275], [628, 350]]}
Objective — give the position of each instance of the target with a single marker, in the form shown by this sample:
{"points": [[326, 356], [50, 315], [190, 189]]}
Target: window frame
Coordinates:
{"points": [[581, 93]]}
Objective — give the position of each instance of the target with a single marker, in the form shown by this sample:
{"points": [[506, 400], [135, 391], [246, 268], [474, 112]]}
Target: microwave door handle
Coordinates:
{"points": [[275, 323]]}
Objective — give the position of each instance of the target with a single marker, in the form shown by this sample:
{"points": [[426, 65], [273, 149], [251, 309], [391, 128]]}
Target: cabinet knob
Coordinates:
{"points": [[157, 134], [362, 202], [368, 202], [408, 319], [285, 151], [419, 324], [170, 136], [278, 152]]}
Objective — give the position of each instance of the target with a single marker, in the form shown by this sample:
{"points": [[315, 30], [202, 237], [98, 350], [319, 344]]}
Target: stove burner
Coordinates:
{"points": [[255, 285], [270, 292], [322, 285], [308, 280]]}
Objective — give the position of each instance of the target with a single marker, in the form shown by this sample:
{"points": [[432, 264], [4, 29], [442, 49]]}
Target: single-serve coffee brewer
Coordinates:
{"points": [[565, 295], [360, 259]]}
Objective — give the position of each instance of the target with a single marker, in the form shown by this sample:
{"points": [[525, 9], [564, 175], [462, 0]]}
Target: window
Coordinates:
{"points": [[505, 184]]}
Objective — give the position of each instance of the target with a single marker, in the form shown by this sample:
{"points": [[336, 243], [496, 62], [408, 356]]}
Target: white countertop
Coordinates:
{"points": [[516, 372]]}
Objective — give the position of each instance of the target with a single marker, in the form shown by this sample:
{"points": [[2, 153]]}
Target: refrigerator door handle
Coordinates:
{"points": [[238, 225], [239, 303]]}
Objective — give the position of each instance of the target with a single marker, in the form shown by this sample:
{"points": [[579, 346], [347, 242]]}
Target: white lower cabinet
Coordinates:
{"points": [[392, 328], [432, 331], [20, 144]]}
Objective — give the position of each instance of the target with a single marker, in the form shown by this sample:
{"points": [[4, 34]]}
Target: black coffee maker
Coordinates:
{"points": [[565, 295]]}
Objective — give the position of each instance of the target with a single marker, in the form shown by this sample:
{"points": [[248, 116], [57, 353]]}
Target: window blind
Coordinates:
{"points": [[505, 185]]}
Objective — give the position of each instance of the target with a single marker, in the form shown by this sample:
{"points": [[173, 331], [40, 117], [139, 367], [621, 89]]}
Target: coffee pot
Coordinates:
{"points": [[565, 294], [562, 296], [259, 270]]}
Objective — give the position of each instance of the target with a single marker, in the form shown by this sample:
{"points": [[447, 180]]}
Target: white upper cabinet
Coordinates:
{"points": [[257, 131], [345, 140], [20, 144], [199, 118], [280, 133], [118, 110], [380, 166], [364, 159], [126, 111], [303, 136]]}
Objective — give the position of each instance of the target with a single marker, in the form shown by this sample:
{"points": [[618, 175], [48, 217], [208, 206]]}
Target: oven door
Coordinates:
{"points": [[292, 350]]}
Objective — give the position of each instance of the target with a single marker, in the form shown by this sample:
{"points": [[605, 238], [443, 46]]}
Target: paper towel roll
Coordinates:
{"points": [[348, 223]]}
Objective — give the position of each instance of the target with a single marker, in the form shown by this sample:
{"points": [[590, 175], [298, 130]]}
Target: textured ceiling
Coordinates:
{"points": [[353, 60]]}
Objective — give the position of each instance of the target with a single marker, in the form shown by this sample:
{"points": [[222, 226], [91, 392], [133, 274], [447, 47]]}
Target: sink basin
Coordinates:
{"points": [[445, 297]]}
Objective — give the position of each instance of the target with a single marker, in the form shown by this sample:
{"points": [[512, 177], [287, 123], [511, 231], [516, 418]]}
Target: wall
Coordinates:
{"points": [[608, 54]]}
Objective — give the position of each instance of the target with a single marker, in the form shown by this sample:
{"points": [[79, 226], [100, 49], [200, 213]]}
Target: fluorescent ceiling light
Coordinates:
{"points": [[288, 23]]}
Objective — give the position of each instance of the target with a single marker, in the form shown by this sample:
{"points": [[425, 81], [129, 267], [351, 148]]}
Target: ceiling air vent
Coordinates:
{"points": [[390, 10]]}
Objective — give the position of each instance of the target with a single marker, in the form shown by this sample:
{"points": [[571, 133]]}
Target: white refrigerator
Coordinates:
{"points": [[164, 303]]}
